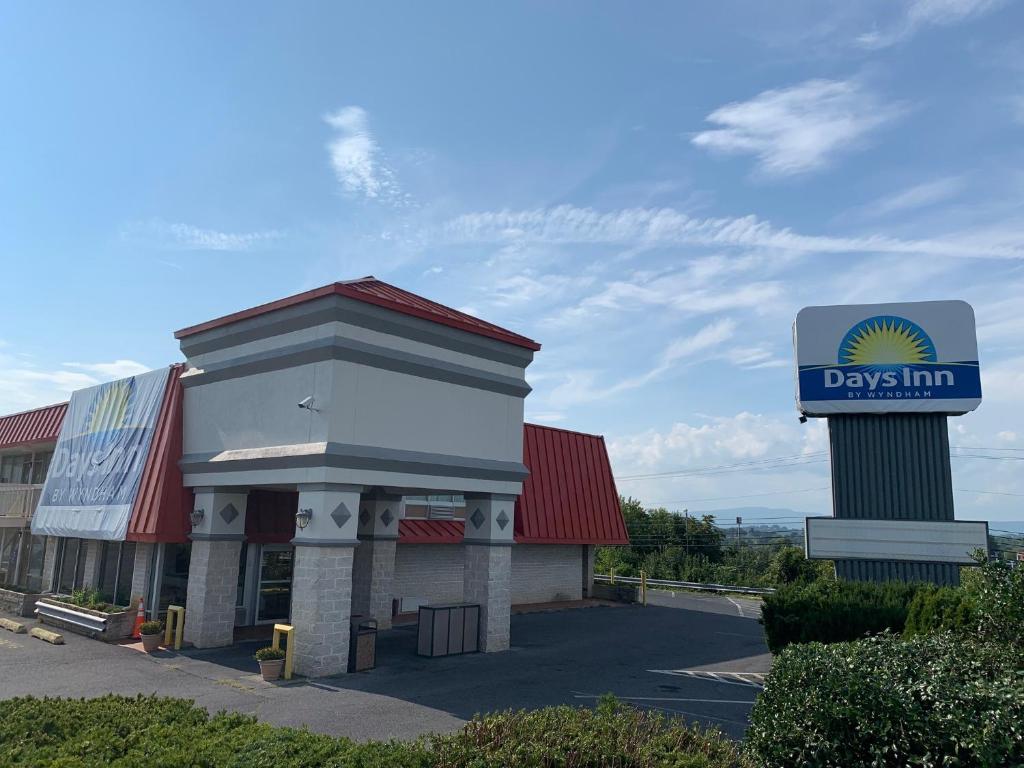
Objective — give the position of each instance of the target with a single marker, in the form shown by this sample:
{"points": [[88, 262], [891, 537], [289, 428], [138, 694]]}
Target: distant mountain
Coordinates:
{"points": [[781, 516]]}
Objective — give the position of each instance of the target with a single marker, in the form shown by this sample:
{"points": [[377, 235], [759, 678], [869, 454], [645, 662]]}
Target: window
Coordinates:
{"points": [[174, 575], [25, 467], [71, 565], [36, 557], [9, 538], [437, 506], [117, 565]]}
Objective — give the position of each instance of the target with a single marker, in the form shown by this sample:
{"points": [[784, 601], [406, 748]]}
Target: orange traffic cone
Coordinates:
{"points": [[140, 618]]}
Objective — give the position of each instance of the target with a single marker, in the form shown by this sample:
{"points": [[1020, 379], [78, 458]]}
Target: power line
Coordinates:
{"points": [[746, 496]]}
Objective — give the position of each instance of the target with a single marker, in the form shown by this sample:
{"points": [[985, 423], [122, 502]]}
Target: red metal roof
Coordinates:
{"points": [[370, 290], [163, 503], [569, 496], [419, 531], [40, 425]]}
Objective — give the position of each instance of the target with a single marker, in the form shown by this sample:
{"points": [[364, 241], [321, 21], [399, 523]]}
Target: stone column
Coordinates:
{"points": [[488, 566], [213, 569], [142, 576], [322, 579], [373, 570]]}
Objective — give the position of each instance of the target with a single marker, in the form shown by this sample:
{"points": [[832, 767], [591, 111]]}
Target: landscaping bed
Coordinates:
{"points": [[97, 620], [122, 732], [18, 602]]}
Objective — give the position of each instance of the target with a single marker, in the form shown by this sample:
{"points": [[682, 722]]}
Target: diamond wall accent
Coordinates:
{"points": [[477, 518], [387, 517], [341, 515], [502, 520], [228, 513], [364, 516]]}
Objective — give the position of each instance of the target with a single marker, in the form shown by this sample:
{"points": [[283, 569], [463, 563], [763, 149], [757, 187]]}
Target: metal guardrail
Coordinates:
{"points": [[79, 619], [665, 584]]}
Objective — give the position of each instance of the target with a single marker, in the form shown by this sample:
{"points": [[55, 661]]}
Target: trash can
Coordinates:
{"points": [[362, 644], [447, 630]]}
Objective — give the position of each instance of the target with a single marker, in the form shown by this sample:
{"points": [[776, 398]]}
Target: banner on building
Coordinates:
{"points": [[919, 357], [100, 455]]}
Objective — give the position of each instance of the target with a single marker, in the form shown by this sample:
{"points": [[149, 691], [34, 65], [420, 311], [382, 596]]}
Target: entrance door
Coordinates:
{"points": [[274, 591]]}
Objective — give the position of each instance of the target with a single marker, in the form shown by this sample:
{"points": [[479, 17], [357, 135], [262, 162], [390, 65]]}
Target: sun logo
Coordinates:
{"points": [[111, 408], [886, 340]]}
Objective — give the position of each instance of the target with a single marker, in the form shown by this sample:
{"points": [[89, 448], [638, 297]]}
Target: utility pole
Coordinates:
{"points": [[686, 531], [739, 522]]}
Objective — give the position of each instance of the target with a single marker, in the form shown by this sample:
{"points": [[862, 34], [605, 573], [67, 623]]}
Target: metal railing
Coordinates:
{"points": [[665, 584], [19, 500]]}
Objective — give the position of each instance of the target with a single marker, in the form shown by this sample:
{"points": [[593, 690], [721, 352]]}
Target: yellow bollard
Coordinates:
{"points": [[289, 652], [175, 626], [611, 576], [643, 586]]}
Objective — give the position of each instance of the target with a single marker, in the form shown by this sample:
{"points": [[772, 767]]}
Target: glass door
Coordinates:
{"points": [[274, 592]]}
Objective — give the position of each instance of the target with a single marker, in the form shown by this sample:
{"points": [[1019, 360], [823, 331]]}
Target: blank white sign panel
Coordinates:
{"points": [[921, 541]]}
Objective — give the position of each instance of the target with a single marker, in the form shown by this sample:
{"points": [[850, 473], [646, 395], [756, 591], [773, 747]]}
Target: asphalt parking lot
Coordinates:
{"points": [[698, 656]]}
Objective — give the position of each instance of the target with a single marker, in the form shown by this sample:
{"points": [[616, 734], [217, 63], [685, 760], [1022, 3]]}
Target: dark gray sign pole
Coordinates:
{"points": [[892, 467]]}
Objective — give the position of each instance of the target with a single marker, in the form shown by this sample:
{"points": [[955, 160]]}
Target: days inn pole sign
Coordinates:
{"points": [[919, 357]]}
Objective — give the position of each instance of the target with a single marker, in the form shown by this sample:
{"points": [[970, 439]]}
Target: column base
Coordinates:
{"points": [[212, 589], [487, 581], [322, 609]]}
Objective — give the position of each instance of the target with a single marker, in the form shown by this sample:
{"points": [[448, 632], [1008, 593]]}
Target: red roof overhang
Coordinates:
{"points": [[370, 290], [28, 428]]}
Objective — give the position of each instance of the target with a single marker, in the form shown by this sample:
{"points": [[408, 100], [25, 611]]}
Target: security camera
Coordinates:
{"points": [[307, 403], [803, 419]]}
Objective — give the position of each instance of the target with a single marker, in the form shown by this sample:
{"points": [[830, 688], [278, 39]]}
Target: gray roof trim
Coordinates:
{"points": [[348, 456], [342, 309], [338, 348]]}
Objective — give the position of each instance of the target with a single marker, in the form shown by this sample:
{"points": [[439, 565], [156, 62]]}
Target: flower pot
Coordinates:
{"points": [[271, 670], [151, 642]]}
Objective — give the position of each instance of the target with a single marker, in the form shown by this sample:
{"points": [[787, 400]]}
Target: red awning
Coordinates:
{"points": [[419, 531], [163, 503]]}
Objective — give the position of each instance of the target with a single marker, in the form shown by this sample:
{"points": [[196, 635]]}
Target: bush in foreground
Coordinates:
{"points": [[161, 732], [834, 611], [933, 700]]}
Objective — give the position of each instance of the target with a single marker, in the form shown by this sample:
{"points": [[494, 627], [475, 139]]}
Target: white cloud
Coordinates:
{"points": [[163, 234], [579, 387], [118, 369], [565, 224], [778, 456], [357, 160], [24, 385], [918, 196], [926, 13], [799, 129]]}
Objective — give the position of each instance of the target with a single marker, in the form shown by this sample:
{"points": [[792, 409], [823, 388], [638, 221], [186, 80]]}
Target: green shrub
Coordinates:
{"points": [[939, 609], [998, 591], [151, 627], [269, 654], [91, 599], [933, 700], [834, 611], [610, 735], [126, 732]]}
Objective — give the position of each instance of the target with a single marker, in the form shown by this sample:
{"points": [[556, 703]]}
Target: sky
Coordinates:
{"points": [[650, 190]]}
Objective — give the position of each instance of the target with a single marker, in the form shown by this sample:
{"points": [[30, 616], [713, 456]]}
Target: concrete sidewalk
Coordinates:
{"points": [[647, 656]]}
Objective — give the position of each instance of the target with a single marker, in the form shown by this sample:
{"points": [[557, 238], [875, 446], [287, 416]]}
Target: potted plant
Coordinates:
{"points": [[151, 631], [271, 662]]}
